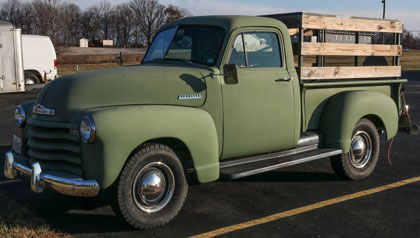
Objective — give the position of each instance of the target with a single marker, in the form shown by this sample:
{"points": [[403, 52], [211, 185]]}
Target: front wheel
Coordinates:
{"points": [[361, 160], [152, 187]]}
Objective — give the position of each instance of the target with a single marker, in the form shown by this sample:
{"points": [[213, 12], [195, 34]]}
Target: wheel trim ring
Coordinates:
{"points": [[363, 137], [169, 189]]}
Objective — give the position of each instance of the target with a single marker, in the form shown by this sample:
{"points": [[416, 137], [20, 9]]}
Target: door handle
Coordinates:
{"points": [[283, 79]]}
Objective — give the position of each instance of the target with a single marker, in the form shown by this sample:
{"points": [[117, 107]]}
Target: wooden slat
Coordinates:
{"points": [[351, 24], [307, 32], [315, 73], [293, 31], [350, 49]]}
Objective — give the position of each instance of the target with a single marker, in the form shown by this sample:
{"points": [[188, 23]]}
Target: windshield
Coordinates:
{"points": [[187, 43]]}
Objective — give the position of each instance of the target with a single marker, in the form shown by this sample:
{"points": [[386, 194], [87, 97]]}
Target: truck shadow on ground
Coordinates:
{"points": [[292, 176], [71, 215], [79, 216]]}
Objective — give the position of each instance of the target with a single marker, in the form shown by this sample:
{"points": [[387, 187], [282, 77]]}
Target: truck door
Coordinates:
{"points": [[259, 109]]}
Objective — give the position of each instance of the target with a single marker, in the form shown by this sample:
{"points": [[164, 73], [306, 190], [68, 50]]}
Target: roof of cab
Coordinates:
{"points": [[228, 22]]}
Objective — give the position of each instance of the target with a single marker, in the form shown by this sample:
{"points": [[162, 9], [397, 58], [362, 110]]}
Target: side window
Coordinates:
{"points": [[237, 55], [262, 50]]}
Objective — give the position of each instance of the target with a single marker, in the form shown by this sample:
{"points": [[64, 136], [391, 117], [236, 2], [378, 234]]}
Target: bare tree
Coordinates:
{"points": [[46, 17], [149, 15], [173, 13], [123, 24], [106, 11], [41, 20], [64, 22], [69, 22], [28, 19], [11, 11], [407, 40], [91, 23]]}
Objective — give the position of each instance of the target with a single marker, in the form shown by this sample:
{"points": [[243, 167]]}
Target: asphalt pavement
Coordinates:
{"points": [[393, 212]]}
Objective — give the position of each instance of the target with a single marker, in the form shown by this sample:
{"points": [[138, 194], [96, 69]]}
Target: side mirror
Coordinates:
{"points": [[119, 58], [231, 73]]}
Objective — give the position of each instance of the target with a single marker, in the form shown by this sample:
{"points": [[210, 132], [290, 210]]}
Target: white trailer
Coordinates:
{"points": [[11, 60]]}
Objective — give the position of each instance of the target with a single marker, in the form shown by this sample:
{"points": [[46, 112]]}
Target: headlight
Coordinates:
{"points": [[20, 116], [87, 129]]}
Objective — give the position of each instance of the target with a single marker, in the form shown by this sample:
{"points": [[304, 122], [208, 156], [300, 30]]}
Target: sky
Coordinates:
{"points": [[407, 11]]}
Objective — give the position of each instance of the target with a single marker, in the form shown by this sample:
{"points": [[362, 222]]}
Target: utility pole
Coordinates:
{"points": [[384, 2]]}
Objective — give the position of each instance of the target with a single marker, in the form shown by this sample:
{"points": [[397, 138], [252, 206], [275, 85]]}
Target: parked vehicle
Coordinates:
{"points": [[11, 63], [39, 59], [216, 97]]}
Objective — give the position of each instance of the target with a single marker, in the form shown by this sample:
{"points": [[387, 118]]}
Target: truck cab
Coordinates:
{"points": [[215, 97]]}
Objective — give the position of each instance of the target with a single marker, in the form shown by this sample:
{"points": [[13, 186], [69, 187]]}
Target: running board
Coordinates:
{"points": [[263, 163]]}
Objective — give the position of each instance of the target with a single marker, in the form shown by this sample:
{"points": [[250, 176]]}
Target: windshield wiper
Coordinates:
{"points": [[173, 59]]}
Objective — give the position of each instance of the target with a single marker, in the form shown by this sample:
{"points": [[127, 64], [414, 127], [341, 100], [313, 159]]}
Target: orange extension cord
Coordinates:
{"points": [[392, 141]]}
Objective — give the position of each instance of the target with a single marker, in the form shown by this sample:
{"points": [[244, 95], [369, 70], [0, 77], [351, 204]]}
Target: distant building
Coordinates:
{"points": [[84, 43], [107, 43], [101, 43]]}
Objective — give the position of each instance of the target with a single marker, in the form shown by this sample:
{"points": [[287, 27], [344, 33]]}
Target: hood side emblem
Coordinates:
{"points": [[189, 96], [41, 110]]}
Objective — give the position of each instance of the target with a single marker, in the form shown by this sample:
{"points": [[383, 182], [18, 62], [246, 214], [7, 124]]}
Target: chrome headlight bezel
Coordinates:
{"points": [[87, 129], [20, 116]]}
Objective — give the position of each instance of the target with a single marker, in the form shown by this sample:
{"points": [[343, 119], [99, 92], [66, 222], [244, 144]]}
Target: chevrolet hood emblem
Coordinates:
{"points": [[41, 110]]}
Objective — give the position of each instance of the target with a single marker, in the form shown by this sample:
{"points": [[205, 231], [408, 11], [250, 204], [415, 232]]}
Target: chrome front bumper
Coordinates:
{"points": [[40, 181]]}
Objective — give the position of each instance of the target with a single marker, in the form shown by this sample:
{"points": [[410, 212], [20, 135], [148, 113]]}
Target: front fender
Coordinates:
{"points": [[342, 112], [120, 130]]}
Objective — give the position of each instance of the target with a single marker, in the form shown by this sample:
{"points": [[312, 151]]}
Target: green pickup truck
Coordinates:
{"points": [[215, 97]]}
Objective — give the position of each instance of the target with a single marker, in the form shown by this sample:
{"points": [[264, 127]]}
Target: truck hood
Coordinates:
{"points": [[130, 85]]}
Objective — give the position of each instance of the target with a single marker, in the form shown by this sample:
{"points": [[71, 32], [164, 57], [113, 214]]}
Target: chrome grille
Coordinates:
{"points": [[52, 145]]}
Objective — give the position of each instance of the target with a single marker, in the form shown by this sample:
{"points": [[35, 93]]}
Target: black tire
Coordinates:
{"points": [[356, 164], [31, 78], [145, 204]]}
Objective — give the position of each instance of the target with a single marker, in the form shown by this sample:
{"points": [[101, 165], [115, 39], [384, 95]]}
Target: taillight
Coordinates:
{"points": [[55, 63]]}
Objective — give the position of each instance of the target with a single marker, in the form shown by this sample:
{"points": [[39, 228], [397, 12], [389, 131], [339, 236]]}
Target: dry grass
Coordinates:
{"points": [[411, 60], [17, 221], [65, 69], [97, 59]]}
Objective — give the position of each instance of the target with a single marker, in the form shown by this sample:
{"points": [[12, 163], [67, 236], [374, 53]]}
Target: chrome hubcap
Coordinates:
{"points": [[29, 81], [361, 149], [153, 187]]}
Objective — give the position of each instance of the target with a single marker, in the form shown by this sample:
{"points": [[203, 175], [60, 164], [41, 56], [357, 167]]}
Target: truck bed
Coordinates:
{"points": [[315, 96]]}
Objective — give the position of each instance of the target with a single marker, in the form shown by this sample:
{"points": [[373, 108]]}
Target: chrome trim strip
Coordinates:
{"points": [[40, 181]]}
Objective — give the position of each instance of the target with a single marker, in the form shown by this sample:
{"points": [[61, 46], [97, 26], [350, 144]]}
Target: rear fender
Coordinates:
{"points": [[344, 110], [120, 130]]}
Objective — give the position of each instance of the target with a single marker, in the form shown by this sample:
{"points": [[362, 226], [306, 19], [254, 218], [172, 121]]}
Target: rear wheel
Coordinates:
{"points": [[152, 187], [361, 160], [31, 78]]}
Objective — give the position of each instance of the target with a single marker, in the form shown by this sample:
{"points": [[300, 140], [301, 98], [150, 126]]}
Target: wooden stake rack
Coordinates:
{"points": [[368, 40]]}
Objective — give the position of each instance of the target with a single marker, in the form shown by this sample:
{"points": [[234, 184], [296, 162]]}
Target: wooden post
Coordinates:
{"points": [[356, 58], [301, 40]]}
